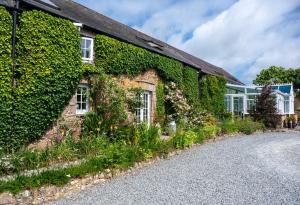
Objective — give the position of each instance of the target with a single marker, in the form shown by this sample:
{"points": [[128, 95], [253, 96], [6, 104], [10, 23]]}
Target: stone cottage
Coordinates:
{"points": [[91, 23]]}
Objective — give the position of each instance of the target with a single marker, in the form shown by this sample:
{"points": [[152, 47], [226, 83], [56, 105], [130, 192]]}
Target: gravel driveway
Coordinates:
{"points": [[257, 169]]}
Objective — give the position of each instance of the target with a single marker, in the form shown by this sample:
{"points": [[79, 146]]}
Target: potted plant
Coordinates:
{"points": [[289, 121], [294, 121]]}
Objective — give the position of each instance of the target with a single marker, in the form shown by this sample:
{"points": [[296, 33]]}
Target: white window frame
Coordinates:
{"points": [[82, 111], [286, 105], [140, 112], [91, 58]]}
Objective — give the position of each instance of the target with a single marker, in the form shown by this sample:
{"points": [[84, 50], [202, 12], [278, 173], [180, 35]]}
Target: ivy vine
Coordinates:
{"points": [[49, 60], [5, 76], [212, 93]]}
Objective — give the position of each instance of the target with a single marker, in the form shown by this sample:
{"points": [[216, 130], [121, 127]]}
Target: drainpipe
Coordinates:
{"points": [[14, 31], [13, 55]]}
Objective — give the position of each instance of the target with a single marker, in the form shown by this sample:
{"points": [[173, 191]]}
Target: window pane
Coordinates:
{"points": [[82, 43], [83, 53], [87, 54], [78, 106], [88, 44], [83, 106], [78, 98], [138, 115]]}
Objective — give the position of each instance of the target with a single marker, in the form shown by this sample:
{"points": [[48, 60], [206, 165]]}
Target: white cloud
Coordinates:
{"points": [[250, 35], [130, 12], [180, 18]]}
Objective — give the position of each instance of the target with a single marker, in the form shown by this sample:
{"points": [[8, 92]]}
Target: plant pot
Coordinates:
{"points": [[172, 127], [290, 124]]}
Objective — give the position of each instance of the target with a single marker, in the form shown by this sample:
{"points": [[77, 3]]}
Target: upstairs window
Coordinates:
{"points": [[87, 46], [82, 100]]}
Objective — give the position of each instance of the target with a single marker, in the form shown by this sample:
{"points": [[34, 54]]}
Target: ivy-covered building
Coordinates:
{"points": [[44, 65]]}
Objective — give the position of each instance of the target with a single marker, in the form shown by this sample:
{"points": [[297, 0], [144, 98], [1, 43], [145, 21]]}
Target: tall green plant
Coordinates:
{"points": [[109, 103]]}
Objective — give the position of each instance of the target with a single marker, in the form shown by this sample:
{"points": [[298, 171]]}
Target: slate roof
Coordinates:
{"points": [[102, 24]]}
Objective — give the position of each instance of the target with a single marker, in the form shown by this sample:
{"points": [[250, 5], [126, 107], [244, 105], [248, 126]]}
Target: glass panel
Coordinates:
{"points": [[235, 90], [227, 102], [82, 43], [83, 106], [87, 54], [145, 111], [252, 90], [84, 94], [238, 103], [138, 115], [88, 44], [78, 98], [78, 106]]}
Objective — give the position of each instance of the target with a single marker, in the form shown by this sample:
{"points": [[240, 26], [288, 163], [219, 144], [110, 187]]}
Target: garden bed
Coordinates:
{"points": [[101, 160]]}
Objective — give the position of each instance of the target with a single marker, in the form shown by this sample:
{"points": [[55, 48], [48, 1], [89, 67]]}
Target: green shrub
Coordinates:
{"points": [[229, 126], [109, 101], [184, 139], [248, 126], [210, 131]]}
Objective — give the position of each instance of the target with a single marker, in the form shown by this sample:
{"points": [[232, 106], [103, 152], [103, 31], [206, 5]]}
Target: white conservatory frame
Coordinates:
{"points": [[284, 101]]}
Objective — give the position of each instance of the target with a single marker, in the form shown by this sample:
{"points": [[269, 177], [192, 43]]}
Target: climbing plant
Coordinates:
{"points": [[49, 62], [190, 85], [122, 58], [160, 103], [117, 57], [212, 91], [5, 75]]}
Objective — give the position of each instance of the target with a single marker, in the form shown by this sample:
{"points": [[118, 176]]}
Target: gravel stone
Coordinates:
{"points": [[257, 169]]}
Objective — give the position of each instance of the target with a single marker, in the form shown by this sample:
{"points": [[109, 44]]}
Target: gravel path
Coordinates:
{"points": [[257, 169]]}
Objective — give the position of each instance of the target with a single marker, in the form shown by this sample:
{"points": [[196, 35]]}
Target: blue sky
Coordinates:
{"points": [[241, 36]]}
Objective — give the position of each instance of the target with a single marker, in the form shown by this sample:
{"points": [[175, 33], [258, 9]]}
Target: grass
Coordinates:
{"points": [[100, 153]]}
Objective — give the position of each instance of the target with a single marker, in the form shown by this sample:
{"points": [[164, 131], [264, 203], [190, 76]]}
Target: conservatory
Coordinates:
{"points": [[239, 99]]}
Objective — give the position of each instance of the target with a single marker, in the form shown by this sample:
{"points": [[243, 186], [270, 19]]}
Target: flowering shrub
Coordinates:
{"points": [[178, 105], [178, 108]]}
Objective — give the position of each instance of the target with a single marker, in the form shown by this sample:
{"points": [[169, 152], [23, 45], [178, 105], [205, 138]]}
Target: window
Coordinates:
{"points": [[251, 101], [82, 100], [286, 105], [143, 113], [227, 102], [87, 46]]}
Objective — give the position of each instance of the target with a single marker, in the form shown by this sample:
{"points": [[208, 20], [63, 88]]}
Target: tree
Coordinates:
{"points": [[265, 109], [276, 74]]}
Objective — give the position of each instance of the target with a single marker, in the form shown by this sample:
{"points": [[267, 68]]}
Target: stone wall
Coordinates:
{"points": [[148, 81], [69, 120]]}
